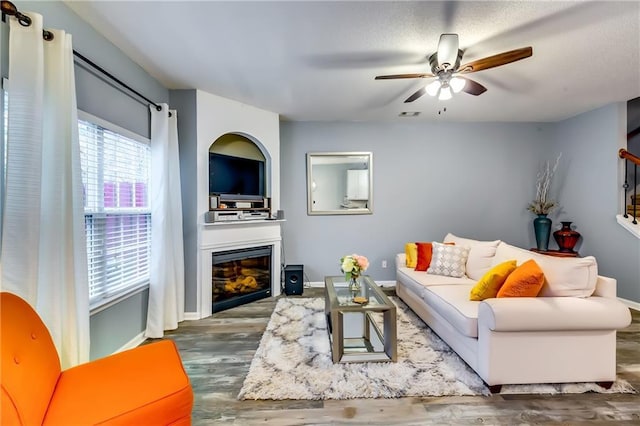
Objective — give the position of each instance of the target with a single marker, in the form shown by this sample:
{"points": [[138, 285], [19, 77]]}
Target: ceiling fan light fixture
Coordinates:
{"points": [[445, 93], [448, 51], [432, 88], [457, 84]]}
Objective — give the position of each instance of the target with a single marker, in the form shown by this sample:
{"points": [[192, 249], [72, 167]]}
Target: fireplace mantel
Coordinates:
{"points": [[242, 223], [222, 236]]}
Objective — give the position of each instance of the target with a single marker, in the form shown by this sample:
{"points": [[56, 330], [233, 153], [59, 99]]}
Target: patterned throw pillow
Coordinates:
{"points": [[448, 260]]}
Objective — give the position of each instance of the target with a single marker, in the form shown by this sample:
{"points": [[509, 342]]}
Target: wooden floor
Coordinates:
{"points": [[217, 352]]}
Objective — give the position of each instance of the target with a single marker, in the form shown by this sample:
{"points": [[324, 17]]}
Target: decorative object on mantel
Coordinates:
{"points": [[353, 266], [542, 205], [566, 237]]}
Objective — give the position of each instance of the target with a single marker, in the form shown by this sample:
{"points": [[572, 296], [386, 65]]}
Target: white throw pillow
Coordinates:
{"points": [[480, 256], [448, 260], [564, 276]]}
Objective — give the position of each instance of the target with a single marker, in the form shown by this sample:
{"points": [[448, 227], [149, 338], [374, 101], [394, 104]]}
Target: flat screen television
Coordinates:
{"points": [[235, 175]]}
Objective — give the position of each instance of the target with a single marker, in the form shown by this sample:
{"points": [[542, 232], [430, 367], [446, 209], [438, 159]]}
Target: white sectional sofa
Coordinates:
{"points": [[566, 334]]}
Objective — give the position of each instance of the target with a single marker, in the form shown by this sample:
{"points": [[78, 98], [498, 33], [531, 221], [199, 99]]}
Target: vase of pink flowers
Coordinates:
{"points": [[353, 266]]}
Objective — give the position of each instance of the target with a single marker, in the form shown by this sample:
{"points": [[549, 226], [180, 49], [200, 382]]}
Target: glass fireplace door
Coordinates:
{"points": [[240, 276]]}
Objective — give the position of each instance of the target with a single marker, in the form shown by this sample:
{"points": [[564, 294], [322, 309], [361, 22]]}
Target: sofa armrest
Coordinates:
{"points": [[401, 260], [606, 287], [553, 314]]}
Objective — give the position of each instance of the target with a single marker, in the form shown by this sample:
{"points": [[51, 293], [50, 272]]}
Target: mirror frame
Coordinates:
{"points": [[310, 182]]}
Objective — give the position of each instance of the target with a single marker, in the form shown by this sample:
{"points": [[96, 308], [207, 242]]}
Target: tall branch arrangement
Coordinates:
{"points": [[542, 204]]}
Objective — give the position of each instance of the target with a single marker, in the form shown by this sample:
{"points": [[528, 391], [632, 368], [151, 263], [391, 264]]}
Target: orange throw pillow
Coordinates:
{"points": [[425, 251], [525, 281]]}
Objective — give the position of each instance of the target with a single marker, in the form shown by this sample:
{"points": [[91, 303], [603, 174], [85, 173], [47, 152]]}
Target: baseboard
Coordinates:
{"points": [[138, 339], [133, 343], [191, 316], [630, 303], [320, 284]]}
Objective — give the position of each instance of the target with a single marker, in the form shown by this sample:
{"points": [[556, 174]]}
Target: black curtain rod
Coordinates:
{"points": [[10, 9], [114, 78]]}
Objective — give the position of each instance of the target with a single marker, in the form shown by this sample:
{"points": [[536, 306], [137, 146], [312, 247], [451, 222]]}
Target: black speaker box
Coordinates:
{"points": [[293, 279]]}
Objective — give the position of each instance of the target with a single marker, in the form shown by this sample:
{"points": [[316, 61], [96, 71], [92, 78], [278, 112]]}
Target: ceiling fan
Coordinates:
{"points": [[445, 66]]}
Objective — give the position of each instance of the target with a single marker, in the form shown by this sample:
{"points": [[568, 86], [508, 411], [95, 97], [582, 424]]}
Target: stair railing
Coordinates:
{"points": [[635, 161]]}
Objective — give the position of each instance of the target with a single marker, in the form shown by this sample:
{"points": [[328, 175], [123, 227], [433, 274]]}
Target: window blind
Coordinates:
{"points": [[115, 176]]}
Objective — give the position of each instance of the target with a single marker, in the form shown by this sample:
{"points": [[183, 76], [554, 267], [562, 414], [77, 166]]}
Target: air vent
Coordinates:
{"points": [[409, 114]]}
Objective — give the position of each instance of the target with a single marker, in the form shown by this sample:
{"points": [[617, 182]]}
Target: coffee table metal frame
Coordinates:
{"points": [[339, 301]]}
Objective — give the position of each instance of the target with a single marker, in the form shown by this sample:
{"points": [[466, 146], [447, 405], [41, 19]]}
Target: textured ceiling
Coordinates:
{"points": [[317, 61]]}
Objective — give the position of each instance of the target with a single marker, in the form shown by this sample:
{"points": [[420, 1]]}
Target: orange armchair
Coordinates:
{"points": [[146, 385]]}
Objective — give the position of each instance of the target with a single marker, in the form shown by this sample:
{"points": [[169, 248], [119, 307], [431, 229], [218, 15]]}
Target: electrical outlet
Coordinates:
{"points": [[384, 263]]}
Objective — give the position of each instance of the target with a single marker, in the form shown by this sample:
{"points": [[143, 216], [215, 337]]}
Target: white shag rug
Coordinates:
{"points": [[293, 361]]}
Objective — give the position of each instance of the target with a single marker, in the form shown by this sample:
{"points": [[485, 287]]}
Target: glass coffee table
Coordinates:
{"points": [[360, 332]]}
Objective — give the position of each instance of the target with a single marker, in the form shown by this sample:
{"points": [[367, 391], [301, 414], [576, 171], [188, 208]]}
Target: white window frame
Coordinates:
{"points": [[104, 303]]}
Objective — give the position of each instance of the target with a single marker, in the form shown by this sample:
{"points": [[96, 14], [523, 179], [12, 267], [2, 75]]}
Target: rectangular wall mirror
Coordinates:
{"points": [[339, 183]]}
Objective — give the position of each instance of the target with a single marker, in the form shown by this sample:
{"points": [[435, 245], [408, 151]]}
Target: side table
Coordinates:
{"points": [[557, 253]]}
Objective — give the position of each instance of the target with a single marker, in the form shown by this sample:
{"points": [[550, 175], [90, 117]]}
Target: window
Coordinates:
{"points": [[115, 177]]}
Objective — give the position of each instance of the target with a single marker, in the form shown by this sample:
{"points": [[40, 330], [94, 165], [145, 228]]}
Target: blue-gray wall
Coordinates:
{"points": [[588, 192], [94, 95], [472, 179], [185, 102], [117, 325]]}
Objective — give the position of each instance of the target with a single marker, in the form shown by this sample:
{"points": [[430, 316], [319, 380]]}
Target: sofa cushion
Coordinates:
{"points": [[564, 276], [427, 280], [525, 281], [449, 260], [407, 277], [491, 282], [411, 254], [453, 304], [480, 254]]}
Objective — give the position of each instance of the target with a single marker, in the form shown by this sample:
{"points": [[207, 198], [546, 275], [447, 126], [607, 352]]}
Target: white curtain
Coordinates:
{"points": [[166, 292], [44, 256]]}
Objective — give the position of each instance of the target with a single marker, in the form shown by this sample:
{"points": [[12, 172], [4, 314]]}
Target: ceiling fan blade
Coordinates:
{"points": [[496, 60], [447, 50], [473, 87], [394, 76], [416, 95]]}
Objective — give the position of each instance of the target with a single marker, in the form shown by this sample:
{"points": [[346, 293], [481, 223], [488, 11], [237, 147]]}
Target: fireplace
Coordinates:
{"points": [[240, 276]]}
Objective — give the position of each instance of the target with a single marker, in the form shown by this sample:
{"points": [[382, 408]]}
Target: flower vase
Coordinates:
{"points": [[566, 237], [354, 284], [542, 229]]}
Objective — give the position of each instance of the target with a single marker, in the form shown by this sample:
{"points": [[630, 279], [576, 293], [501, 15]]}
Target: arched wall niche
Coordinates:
{"points": [[243, 145]]}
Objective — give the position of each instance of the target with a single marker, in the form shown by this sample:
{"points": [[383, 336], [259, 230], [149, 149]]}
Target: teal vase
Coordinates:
{"points": [[542, 229]]}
